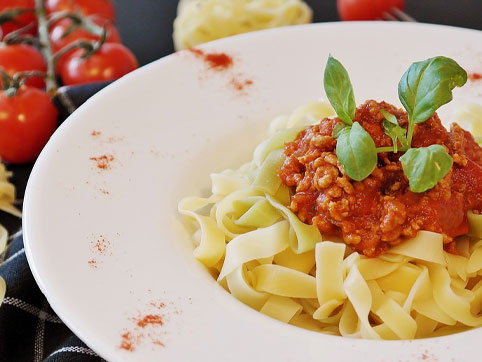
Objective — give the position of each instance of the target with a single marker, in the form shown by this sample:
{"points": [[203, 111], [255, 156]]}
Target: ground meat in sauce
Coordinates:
{"points": [[381, 211]]}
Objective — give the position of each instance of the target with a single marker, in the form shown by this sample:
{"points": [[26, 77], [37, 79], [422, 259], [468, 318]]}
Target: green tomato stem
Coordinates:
{"points": [[89, 47], [11, 14], [78, 44], [45, 47], [19, 37], [78, 21]]}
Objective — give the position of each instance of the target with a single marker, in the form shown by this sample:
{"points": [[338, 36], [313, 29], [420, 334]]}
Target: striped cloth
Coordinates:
{"points": [[29, 328]]}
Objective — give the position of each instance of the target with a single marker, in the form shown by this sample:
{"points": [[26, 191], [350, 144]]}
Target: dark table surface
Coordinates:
{"points": [[146, 28]]}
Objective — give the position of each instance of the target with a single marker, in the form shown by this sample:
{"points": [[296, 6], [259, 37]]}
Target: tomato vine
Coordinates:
{"points": [[85, 48]]}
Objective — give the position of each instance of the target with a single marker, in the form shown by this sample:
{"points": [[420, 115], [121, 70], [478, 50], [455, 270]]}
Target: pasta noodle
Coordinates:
{"points": [[200, 21], [282, 267], [7, 197], [470, 116], [7, 192]]}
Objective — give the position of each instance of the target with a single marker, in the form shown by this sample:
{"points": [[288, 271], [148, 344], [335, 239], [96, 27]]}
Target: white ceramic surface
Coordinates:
{"points": [[168, 125]]}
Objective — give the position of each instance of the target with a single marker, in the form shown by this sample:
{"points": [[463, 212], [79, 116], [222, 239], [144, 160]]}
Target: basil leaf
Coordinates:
{"points": [[337, 129], [425, 166], [396, 133], [427, 85], [339, 90], [356, 151], [393, 130], [389, 117]]}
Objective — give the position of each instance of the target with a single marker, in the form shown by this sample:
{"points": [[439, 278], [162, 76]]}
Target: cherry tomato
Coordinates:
{"points": [[103, 8], [110, 62], [366, 9], [21, 20], [27, 120], [20, 58], [60, 27]]}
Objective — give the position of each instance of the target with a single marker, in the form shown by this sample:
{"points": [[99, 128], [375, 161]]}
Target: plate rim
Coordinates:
{"points": [[28, 239]]}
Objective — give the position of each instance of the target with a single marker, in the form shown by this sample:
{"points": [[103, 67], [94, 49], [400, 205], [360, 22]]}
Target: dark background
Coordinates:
{"points": [[146, 25]]}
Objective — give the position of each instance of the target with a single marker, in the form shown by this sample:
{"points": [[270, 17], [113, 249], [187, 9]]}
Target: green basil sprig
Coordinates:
{"points": [[428, 85], [425, 166], [424, 87], [356, 151], [339, 90], [355, 148], [394, 131]]}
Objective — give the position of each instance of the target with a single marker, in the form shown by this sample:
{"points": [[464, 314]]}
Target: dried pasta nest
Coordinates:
{"points": [[200, 21]]}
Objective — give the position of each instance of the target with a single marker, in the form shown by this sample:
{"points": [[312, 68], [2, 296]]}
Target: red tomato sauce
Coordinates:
{"points": [[381, 211]]}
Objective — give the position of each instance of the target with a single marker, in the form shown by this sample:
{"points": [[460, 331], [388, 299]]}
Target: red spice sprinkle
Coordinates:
{"points": [[147, 328], [93, 263], [216, 61], [127, 342], [240, 85], [220, 60], [150, 319], [99, 248], [474, 76], [159, 343], [158, 305], [103, 162], [95, 133], [427, 357], [197, 52], [115, 139], [101, 245]]}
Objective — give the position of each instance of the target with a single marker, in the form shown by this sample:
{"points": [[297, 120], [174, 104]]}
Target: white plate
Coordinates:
{"points": [[168, 125]]}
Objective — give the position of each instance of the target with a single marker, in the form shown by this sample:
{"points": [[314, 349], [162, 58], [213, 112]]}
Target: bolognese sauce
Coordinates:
{"points": [[381, 211]]}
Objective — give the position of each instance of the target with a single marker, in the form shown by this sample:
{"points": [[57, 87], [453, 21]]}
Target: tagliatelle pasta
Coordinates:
{"points": [[470, 116], [200, 21], [260, 251]]}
